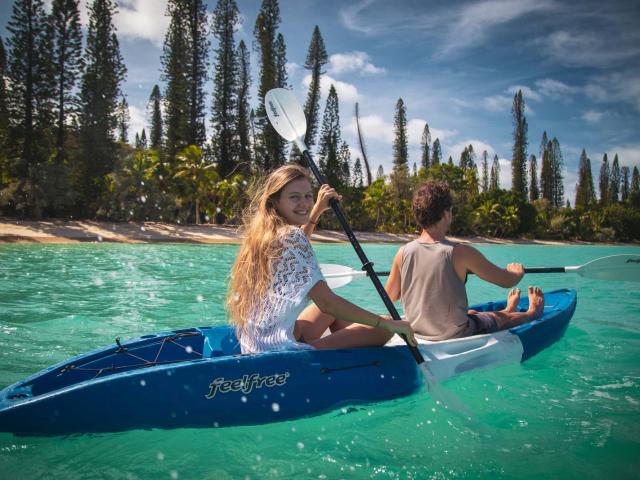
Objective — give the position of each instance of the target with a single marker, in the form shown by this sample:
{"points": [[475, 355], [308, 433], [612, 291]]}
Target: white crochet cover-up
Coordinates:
{"points": [[271, 324]]}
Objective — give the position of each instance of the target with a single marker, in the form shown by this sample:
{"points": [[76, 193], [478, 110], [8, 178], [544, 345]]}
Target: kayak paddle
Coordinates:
{"points": [[624, 267], [287, 118]]}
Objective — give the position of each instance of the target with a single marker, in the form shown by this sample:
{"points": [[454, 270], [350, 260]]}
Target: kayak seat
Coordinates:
{"points": [[219, 342]]}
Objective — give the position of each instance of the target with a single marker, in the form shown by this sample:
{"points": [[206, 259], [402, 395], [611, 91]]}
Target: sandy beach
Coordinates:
{"points": [[77, 231]]}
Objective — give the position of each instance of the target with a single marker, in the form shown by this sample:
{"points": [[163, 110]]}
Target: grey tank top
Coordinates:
{"points": [[433, 296]]}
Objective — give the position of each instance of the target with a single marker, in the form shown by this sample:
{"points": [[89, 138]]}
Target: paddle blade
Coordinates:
{"points": [[338, 275], [624, 267], [285, 114]]}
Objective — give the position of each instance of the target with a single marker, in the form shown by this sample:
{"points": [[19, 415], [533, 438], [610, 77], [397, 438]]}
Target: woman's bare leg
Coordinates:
{"points": [[312, 323], [353, 336]]}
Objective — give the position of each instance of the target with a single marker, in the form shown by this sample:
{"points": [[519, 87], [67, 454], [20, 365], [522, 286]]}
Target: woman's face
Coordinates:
{"points": [[295, 202]]}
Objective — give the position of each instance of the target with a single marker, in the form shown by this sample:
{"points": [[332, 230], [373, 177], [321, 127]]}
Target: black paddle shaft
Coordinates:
{"points": [[366, 264]]}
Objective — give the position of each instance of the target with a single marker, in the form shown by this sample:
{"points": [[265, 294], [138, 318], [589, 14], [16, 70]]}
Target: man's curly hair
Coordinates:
{"points": [[430, 200]]}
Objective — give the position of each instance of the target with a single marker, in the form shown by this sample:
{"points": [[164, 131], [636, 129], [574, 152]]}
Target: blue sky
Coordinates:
{"points": [[456, 65]]}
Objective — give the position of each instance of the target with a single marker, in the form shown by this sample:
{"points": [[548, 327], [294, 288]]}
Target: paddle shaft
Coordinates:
{"points": [[366, 264], [526, 270]]}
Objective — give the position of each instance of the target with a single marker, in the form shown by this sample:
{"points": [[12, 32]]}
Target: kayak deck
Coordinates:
{"points": [[197, 377]]}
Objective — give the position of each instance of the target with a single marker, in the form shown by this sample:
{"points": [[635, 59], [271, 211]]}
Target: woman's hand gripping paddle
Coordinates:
{"points": [[287, 118]]}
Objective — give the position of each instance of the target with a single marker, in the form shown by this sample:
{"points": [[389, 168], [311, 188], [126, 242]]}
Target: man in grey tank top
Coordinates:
{"points": [[429, 276]]}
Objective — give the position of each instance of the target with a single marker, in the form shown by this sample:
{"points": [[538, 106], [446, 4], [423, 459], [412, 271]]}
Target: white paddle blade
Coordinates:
{"points": [[624, 267], [285, 114], [338, 275]]}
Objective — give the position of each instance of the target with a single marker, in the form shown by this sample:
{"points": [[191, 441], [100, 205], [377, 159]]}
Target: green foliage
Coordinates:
{"points": [[195, 178]]}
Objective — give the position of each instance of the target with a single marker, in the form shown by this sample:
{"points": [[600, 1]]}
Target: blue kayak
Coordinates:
{"points": [[197, 377]]}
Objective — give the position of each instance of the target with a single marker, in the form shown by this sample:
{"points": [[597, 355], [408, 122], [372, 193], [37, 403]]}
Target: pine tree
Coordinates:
{"points": [[603, 182], [518, 163], [143, 140], [494, 181], [100, 90], [357, 177], [450, 161], [223, 118], [344, 160], [270, 145], [546, 175], [485, 172], [436, 155], [544, 144], [400, 145], [330, 139], [380, 173], [415, 169], [534, 191], [67, 62], [316, 58], [136, 143], [196, 69], [557, 164], [123, 120], [281, 62], [635, 182], [585, 195], [155, 109], [29, 98], [624, 184], [242, 113], [175, 75], [425, 143], [614, 181]]}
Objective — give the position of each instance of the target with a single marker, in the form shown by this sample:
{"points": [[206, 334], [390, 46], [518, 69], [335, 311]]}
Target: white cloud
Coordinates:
{"points": [[142, 19], [292, 68], [616, 87], [477, 20], [592, 116], [347, 92], [527, 93], [478, 147], [590, 49], [373, 127], [137, 121], [555, 89], [628, 155], [349, 17], [349, 62], [497, 103], [415, 127]]}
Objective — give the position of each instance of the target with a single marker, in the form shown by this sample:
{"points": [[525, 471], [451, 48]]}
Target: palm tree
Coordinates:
{"points": [[199, 178]]}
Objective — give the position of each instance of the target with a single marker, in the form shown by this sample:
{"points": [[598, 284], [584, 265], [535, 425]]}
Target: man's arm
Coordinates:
{"points": [[393, 282], [468, 259]]}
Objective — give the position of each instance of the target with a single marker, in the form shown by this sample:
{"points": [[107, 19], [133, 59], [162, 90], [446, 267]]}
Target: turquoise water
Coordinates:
{"points": [[573, 411]]}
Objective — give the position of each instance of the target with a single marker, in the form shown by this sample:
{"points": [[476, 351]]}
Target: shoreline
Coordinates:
{"points": [[55, 231]]}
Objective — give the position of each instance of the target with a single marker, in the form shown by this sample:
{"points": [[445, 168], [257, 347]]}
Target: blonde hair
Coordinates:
{"points": [[252, 271]]}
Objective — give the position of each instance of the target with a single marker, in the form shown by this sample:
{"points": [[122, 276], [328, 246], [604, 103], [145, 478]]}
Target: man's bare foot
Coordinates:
{"points": [[512, 300], [536, 302]]}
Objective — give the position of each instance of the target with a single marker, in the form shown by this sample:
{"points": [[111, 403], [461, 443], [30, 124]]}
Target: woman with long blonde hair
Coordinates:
{"points": [[276, 273]]}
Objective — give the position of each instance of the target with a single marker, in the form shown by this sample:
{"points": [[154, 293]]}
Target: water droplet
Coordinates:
{"points": [[143, 383], [188, 349], [199, 298], [160, 456], [300, 445], [275, 407], [243, 399]]}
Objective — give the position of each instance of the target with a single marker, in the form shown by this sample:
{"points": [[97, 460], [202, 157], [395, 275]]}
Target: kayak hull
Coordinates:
{"points": [[197, 378]]}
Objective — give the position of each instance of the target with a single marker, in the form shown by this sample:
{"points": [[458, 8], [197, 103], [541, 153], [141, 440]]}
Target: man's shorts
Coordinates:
{"points": [[483, 323]]}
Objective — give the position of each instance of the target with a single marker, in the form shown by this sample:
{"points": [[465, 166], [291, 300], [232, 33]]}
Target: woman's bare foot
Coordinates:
{"points": [[512, 300], [536, 302]]}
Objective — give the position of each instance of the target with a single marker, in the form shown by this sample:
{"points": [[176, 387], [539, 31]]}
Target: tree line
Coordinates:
{"points": [[64, 130]]}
